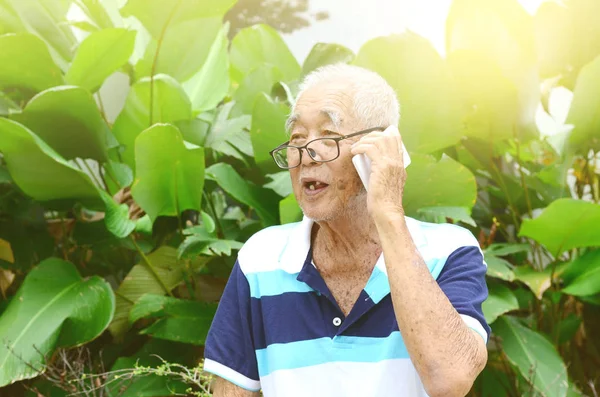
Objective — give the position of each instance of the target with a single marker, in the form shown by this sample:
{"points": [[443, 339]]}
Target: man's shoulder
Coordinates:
{"points": [[444, 238], [262, 251]]}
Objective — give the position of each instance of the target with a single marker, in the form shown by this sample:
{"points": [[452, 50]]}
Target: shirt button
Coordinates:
{"points": [[337, 321]]}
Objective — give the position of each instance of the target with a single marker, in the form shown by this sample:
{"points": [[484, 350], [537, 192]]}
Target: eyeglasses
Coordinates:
{"points": [[321, 150]]}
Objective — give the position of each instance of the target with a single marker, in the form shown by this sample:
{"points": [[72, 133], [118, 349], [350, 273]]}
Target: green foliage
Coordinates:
{"points": [[148, 212], [54, 307]]}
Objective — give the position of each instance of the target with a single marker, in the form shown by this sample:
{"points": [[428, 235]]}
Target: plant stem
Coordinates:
{"points": [[150, 267], [155, 60], [220, 233], [89, 169]]}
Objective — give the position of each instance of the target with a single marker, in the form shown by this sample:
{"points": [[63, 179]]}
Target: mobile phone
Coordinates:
{"points": [[362, 163]]}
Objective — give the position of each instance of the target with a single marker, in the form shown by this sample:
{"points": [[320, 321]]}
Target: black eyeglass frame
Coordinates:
{"points": [[337, 142]]}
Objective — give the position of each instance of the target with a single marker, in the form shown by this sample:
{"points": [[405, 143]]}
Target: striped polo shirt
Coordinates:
{"points": [[278, 328]]}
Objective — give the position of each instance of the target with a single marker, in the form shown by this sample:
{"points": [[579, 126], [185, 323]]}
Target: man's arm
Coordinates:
{"points": [[447, 354], [224, 388]]}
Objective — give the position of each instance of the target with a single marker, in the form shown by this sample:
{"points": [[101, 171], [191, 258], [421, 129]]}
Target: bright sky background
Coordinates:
{"points": [[354, 22]]}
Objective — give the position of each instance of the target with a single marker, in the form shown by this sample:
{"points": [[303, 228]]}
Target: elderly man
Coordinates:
{"points": [[357, 299]]}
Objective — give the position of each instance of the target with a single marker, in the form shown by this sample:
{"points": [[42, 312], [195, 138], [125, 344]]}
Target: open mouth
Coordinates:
{"points": [[314, 187]]}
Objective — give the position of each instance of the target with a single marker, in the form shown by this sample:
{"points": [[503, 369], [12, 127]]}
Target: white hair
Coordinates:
{"points": [[375, 102]]}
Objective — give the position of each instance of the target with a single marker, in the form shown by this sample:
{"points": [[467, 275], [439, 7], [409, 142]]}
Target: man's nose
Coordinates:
{"points": [[306, 156]]}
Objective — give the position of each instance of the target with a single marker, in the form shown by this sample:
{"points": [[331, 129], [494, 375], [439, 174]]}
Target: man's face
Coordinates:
{"points": [[326, 110]]}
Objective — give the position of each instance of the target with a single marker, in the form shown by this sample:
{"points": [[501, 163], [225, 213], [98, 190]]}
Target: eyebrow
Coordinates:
{"points": [[332, 115]]}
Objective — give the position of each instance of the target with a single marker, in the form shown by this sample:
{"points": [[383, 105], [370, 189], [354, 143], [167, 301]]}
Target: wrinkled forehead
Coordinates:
{"points": [[331, 103]]}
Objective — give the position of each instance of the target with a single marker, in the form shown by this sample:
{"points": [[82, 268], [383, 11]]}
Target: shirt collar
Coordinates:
{"points": [[296, 250]]}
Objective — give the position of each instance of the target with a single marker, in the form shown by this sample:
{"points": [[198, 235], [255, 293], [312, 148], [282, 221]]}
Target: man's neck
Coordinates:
{"points": [[346, 242]]}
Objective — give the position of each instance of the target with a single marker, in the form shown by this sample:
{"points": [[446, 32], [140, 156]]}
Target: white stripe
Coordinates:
{"points": [[475, 325], [388, 378], [230, 375]]}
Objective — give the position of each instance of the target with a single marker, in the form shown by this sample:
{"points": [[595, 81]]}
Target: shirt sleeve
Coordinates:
{"points": [[463, 281], [229, 349]]}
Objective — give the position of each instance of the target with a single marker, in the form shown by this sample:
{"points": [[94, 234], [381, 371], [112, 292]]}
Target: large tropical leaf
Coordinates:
{"points": [[170, 173], [158, 15], [565, 224], [324, 54], [99, 55], [32, 70], [424, 87], [178, 320], [47, 19], [534, 356], [582, 276], [210, 84], [567, 38], [264, 201], [260, 80], [38, 170], [157, 273], [174, 59], [289, 211], [500, 300], [230, 136], [54, 307], [170, 103], [584, 109], [502, 32], [259, 45], [445, 183], [268, 121], [68, 120]]}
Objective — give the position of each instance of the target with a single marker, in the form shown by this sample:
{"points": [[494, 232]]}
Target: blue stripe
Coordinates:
{"points": [[323, 350], [275, 282]]}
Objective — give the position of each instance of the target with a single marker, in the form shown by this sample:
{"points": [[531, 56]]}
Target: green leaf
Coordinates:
{"points": [[502, 249], [565, 224], [259, 45], [101, 54], [156, 15], [567, 328], [535, 357], [170, 175], [206, 245], [584, 109], [32, 70], [325, 54], [68, 120], [156, 306], [500, 300], [48, 20], [117, 217], [289, 210], [488, 98], [210, 85], [180, 61], [498, 267], [445, 183], [281, 183], [501, 32], [424, 87], [207, 222], [96, 12], [268, 120], [230, 136], [7, 105], [170, 104], [38, 170], [439, 214], [538, 281], [119, 175], [264, 201], [557, 27], [582, 276], [54, 307], [259, 81], [159, 275]]}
